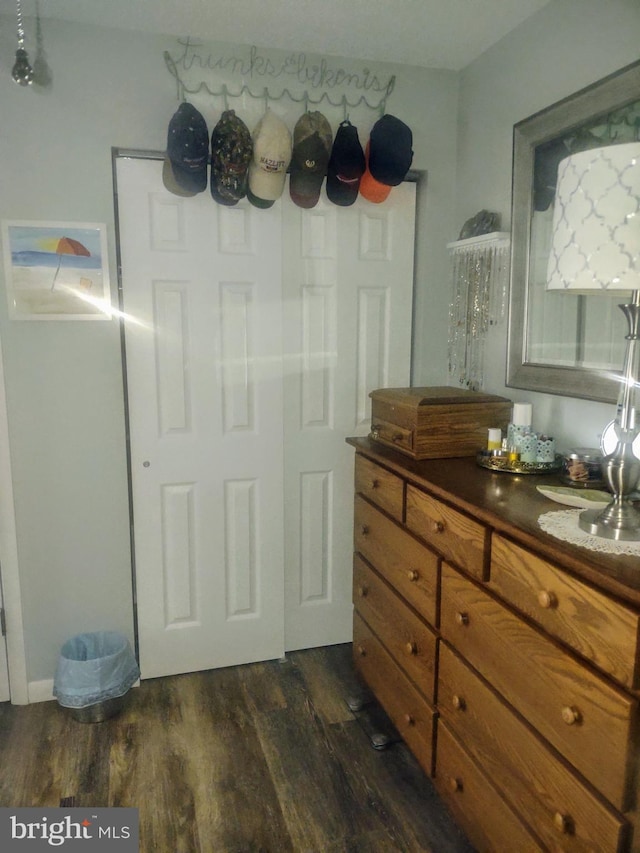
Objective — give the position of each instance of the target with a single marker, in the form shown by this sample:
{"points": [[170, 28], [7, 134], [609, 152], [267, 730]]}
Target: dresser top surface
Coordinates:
{"points": [[510, 504]]}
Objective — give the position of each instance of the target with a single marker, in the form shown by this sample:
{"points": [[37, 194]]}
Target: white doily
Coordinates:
{"points": [[564, 525]]}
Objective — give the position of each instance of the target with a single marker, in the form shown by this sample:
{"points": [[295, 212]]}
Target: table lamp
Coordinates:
{"points": [[596, 249]]}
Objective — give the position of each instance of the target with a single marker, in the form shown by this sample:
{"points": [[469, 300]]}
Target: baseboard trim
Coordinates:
{"points": [[40, 691]]}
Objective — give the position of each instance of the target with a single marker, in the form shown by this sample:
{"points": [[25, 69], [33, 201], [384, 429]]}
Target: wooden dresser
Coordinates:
{"points": [[507, 659]]}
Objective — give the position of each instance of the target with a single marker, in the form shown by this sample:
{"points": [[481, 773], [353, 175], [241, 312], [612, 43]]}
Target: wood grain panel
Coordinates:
{"points": [[413, 717], [263, 757], [456, 536], [582, 715], [487, 819], [563, 811], [380, 486], [439, 421], [392, 435], [406, 637], [595, 625], [404, 562]]}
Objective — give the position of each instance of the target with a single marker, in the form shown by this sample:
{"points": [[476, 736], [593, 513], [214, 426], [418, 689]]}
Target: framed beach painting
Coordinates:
{"points": [[56, 270]]}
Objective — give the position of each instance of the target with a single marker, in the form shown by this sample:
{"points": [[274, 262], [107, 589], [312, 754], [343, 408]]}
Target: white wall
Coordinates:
{"points": [[64, 383], [569, 44]]}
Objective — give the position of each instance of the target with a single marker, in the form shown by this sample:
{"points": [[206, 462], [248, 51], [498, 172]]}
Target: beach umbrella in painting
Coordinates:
{"points": [[68, 246]]}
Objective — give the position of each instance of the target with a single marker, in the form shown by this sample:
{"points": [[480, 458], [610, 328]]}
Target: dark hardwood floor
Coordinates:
{"points": [[263, 757]]}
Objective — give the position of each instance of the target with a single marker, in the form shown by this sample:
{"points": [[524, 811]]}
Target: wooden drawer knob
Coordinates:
{"points": [[409, 720], [411, 648], [413, 574], [397, 437], [455, 784], [458, 702], [363, 591], [362, 651], [546, 599], [438, 527], [570, 715], [364, 529], [562, 823], [375, 484], [462, 618]]}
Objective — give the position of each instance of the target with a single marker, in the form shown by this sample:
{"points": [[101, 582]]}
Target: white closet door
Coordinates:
{"points": [[348, 291], [202, 296], [253, 338]]}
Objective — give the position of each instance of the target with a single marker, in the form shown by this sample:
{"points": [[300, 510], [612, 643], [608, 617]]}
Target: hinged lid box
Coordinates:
{"points": [[436, 422]]}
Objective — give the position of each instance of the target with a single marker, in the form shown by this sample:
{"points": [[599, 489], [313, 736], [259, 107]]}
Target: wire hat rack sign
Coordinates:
{"points": [[296, 83]]}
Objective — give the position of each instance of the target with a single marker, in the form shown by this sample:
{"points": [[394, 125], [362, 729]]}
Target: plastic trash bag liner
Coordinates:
{"points": [[93, 668]]}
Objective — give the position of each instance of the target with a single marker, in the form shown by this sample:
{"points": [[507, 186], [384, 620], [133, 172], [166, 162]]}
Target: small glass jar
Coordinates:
{"points": [[581, 467]]}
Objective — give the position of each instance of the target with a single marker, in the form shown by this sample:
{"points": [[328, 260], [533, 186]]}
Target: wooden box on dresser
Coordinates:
{"points": [[507, 659]]}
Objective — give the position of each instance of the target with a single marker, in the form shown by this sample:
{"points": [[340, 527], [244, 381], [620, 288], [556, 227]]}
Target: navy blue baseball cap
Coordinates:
{"points": [[188, 148], [390, 150], [346, 166]]}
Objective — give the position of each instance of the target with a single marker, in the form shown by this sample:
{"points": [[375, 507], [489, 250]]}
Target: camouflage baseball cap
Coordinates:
{"points": [[231, 151]]}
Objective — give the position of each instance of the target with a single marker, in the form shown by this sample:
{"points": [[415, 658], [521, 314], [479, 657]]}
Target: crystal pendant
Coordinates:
{"points": [[22, 72]]}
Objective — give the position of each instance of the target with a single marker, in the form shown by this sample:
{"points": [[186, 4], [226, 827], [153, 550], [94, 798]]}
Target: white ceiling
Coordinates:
{"points": [[431, 33]]}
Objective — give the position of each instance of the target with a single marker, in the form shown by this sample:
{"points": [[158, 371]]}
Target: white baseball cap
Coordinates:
{"points": [[271, 157]]}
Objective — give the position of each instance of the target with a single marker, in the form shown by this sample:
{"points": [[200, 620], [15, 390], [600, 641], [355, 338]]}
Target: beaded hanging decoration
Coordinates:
{"points": [[480, 274]]}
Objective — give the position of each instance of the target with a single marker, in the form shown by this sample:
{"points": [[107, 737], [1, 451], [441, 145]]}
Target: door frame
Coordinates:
{"points": [[9, 568]]}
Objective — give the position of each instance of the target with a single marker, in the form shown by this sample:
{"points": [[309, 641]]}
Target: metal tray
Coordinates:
{"points": [[501, 463]]}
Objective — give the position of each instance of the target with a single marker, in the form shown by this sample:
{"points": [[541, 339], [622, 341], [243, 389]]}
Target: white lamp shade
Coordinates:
{"points": [[596, 221]]}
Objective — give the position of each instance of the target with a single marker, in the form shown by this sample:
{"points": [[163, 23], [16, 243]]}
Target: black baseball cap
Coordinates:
{"points": [[346, 166], [188, 148]]}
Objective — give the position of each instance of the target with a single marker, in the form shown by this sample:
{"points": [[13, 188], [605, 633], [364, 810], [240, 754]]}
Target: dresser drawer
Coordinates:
{"points": [[379, 486], [412, 716], [489, 822], [406, 637], [454, 535], [600, 629], [562, 810], [395, 436], [406, 564], [580, 713]]}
